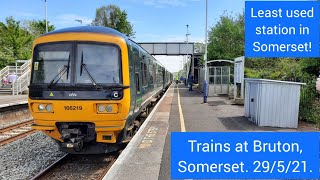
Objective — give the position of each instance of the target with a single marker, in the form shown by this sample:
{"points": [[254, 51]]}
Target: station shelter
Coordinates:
{"points": [[219, 77]]}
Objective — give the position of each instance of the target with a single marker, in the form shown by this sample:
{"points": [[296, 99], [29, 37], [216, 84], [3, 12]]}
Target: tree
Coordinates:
{"points": [[15, 42], [311, 66], [36, 28], [112, 16], [226, 38], [199, 47]]}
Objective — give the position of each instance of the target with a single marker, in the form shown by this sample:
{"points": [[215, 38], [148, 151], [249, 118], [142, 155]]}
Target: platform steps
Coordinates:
{"points": [[6, 90]]}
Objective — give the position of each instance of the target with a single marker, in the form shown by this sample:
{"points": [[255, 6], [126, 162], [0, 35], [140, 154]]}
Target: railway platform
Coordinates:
{"points": [[147, 156], [10, 100]]}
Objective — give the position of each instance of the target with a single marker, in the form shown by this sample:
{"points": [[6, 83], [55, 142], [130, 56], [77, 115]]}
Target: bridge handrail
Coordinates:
{"points": [[23, 72], [22, 83], [26, 64], [4, 72], [20, 70]]}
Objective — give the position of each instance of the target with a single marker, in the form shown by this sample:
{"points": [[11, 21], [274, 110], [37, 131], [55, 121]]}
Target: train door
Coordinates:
{"points": [[163, 78], [137, 79], [253, 102]]}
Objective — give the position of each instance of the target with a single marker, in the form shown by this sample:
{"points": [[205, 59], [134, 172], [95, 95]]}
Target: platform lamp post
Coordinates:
{"points": [[187, 58], [205, 84], [46, 14], [79, 20]]}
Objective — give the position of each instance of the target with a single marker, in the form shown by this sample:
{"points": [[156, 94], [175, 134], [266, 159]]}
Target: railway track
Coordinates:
{"points": [[14, 107], [16, 131], [73, 166]]}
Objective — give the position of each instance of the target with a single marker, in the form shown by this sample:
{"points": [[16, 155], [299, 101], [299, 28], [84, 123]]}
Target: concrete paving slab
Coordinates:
{"points": [[10, 100], [218, 115], [142, 157], [135, 172], [147, 156]]}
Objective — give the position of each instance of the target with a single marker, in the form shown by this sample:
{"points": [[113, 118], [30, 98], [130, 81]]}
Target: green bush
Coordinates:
{"points": [[309, 101]]}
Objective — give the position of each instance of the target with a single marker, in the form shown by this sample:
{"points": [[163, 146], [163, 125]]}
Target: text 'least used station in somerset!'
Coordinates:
{"points": [[282, 29]]}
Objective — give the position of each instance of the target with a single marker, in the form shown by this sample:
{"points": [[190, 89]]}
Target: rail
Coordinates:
{"points": [[79, 165], [16, 131]]}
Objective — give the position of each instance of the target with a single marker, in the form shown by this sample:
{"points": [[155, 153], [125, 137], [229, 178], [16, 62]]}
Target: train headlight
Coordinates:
{"points": [[49, 107], [41, 107], [109, 108], [101, 108], [115, 94]]}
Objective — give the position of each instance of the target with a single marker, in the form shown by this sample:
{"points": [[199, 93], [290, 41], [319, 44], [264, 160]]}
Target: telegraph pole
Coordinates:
{"points": [[187, 35]]}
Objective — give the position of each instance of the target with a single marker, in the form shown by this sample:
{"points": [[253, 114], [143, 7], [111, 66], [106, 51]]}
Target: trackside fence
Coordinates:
{"points": [[310, 102]]}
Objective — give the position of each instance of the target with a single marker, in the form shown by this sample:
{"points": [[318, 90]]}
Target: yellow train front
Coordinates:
{"points": [[92, 87]]}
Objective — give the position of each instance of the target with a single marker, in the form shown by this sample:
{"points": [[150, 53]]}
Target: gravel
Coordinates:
{"points": [[26, 157], [5, 124], [14, 116]]}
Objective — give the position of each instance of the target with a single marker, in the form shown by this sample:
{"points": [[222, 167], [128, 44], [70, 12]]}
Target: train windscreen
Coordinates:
{"points": [[51, 62], [101, 61], [93, 64]]}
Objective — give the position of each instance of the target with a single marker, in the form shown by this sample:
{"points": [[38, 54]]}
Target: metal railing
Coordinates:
{"points": [[4, 72], [310, 102], [13, 69], [21, 84], [23, 73]]}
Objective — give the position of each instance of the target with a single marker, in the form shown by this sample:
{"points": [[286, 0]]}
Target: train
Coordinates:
{"points": [[92, 87]]}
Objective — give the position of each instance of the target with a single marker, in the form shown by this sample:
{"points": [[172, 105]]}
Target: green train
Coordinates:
{"points": [[92, 87]]}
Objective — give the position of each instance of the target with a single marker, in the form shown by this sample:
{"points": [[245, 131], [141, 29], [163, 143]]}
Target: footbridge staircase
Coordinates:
{"points": [[21, 84]]}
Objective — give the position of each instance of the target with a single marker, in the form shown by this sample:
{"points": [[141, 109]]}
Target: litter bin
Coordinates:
{"points": [[272, 103]]}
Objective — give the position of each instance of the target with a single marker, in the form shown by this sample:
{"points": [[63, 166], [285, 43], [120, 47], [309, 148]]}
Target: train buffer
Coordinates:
{"points": [[147, 156]]}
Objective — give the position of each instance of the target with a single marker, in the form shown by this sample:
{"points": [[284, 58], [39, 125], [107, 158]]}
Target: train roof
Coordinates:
{"points": [[98, 30], [88, 29]]}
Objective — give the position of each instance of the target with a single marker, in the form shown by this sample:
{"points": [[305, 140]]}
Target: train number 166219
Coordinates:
{"points": [[72, 108]]}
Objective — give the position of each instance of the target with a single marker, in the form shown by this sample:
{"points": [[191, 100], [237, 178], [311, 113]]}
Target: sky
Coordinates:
{"points": [[153, 20]]}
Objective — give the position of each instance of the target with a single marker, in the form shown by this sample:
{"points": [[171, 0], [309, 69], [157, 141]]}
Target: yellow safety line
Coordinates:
{"points": [[183, 128]]}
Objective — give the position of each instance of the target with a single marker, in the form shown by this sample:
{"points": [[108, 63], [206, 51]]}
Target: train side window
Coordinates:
{"points": [[160, 74], [151, 73], [144, 73], [137, 83], [154, 72]]}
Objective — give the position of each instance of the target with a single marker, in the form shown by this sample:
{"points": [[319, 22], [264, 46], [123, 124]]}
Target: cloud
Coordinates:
{"points": [[181, 38], [172, 63], [163, 3], [135, 22], [66, 20], [151, 35], [27, 14]]}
